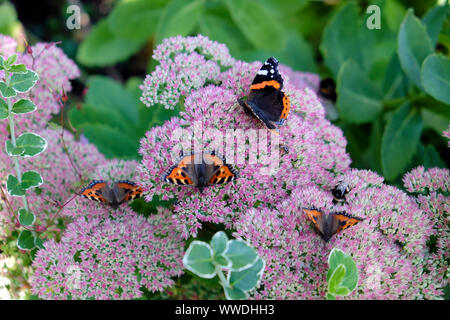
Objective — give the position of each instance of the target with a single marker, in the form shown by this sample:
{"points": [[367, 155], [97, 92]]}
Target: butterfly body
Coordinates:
{"points": [[112, 194], [339, 192], [200, 170], [329, 224], [266, 100]]}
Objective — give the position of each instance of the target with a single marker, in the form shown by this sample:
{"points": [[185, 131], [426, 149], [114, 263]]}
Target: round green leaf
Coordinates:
{"points": [[4, 113], [400, 138], [219, 242], [22, 82], [26, 218], [13, 186], [32, 143], [336, 278], [7, 92], [240, 254], [249, 278], [359, 101], [31, 179], [232, 293], [436, 77], [23, 106], [13, 151], [102, 48], [198, 259], [25, 240], [413, 46]]}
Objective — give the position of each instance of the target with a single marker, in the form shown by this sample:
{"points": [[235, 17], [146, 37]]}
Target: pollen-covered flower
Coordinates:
{"points": [[112, 256]]}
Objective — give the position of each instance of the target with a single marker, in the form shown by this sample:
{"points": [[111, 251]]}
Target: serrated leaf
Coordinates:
{"points": [[13, 186], [32, 143], [257, 23], [433, 21], [436, 77], [219, 242], [413, 46], [23, 106], [7, 92], [4, 113], [240, 254], [22, 82], [249, 278], [18, 68], [399, 142], [31, 179], [136, 19], [13, 151], [359, 101], [26, 218], [179, 17], [25, 240], [232, 293], [198, 259], [102, 48]]}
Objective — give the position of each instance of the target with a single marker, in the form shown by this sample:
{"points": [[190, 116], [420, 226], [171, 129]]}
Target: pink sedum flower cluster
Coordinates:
{"points": [[111, 256]]}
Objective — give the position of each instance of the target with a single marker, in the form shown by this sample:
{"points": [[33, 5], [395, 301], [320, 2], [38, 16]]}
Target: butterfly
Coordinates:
{"points": [[330, 224], [266, 101], [339, 192], [200, 170], [327, 89], [113, 194]]}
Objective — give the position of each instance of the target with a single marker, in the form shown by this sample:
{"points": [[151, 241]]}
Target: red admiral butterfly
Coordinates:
{"points": [[332, 223], [120, 192], [211, 170], [266, 101]]}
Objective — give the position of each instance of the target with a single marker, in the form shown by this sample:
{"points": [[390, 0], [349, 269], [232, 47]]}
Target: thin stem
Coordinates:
{"points": [[221, 276], [13, 139]]}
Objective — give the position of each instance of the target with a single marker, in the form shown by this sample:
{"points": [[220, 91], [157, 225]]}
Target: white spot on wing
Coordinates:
{"points": [[262, 72]]}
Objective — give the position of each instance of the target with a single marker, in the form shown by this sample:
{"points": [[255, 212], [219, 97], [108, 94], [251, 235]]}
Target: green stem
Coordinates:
{"points": [[394, 103], [223, 280], [13, 139]]}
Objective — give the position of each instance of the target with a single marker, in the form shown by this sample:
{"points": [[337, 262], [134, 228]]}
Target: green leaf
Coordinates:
{"points": [[221, 261], [413, 46], [219, 242], [18, 68], [22, 82], [13, 186], [25, 240], [136, 19], [198, 259], [7, 92], [8, 17], [394, 80], [249, 278], [4, 113], [399, 142], [342, 273], [31, 179], [240, 254], [341, 39], [11, 151], [23, 106], [12, 58], [336, 279], [32, 143], [359, 101], [257, 23], [26, 218], [102, 48], [330, 296], [433, 21], [2, 63], [232, 293], [39, 243], [180, 17], [436, 77]]}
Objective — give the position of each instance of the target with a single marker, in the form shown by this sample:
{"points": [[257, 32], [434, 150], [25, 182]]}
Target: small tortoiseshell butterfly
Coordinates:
{"points": [[339, 192], [210, 170], [266, 101], [114, 195], [329, 224]]}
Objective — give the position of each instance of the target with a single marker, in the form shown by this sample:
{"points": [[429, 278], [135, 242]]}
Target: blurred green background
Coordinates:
{"points": [[392, 118]]}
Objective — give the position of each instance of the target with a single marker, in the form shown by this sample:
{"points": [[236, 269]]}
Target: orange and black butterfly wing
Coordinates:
{"points": [[127, 190], [97, 190], [183, 173], [317, 218], [217, 171], [342, 221]]}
